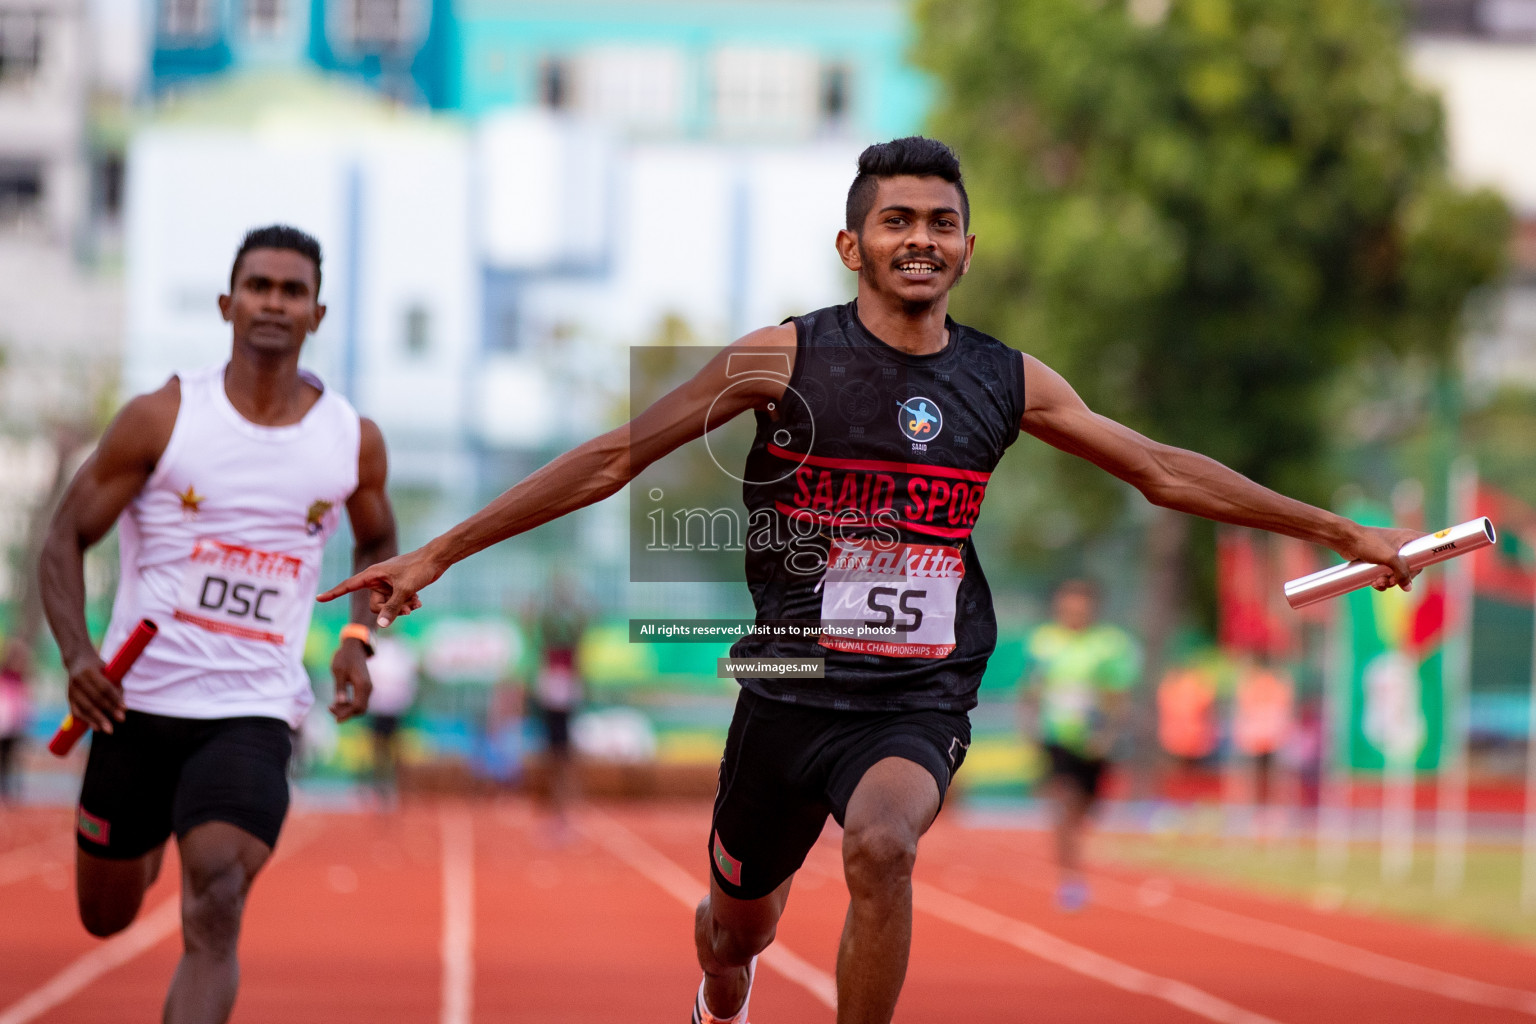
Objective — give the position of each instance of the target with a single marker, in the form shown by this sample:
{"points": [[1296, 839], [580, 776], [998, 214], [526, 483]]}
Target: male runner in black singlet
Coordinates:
{"points": [[878, 425]]}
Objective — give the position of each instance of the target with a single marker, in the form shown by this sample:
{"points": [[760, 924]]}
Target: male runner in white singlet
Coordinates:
{"points": [[878, 426], [224, 484]]}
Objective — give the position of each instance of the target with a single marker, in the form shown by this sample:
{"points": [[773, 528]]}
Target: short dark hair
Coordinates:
{"points": [[278, 236], [1078, 585], [914, 155]]}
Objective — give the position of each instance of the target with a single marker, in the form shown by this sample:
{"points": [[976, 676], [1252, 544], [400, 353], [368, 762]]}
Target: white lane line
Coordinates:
{"points": [[1305, 945], [152, 928], [458, 947], [145, 933], [1037, 942], [687, 890]]}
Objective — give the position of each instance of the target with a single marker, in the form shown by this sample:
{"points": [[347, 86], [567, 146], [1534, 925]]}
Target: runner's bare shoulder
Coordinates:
{"points": [[142, 428], [766, 355], [779, 336]]}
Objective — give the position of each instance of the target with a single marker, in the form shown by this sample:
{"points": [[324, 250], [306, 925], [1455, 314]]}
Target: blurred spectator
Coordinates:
{"points": [[14, 669], [1075, 700], [503, 758], [1186, 713], [1262, 719], [557, 691], [393, 669], [1189, 721], [1303, 751]]}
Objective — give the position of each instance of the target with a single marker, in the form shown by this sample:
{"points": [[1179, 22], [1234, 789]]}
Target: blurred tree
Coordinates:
{"points": [[687, 506], [1199, 211], [69, 428]]}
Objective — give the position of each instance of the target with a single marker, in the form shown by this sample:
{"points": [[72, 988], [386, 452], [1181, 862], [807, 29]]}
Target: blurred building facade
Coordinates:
{"points": [[511, 193], [402, 48], [582, 178], [60, 308], [744, 69], [42, 111], [1480, 55]]}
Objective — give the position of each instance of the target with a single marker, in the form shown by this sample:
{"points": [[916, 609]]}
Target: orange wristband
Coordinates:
{"points": [[359, 632]]}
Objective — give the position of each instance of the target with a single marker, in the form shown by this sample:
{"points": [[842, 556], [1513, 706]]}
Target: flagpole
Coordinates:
{"points": [[1399, 799], [1333, 812], [1228, 645], [1275, 816], [1456, 690], [1401, 739], [1528, 860]]}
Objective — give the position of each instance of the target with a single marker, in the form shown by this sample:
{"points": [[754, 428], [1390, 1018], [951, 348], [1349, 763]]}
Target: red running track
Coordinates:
{"points": [[459, 913]]}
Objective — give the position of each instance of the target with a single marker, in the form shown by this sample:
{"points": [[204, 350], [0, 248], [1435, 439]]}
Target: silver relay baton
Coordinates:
{"points": [[1427, 550]]}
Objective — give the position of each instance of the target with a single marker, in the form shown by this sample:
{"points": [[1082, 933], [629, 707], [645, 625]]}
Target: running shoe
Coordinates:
{"points": [[701, 1014]]}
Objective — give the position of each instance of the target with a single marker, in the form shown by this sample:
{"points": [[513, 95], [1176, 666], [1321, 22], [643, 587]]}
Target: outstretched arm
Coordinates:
{"points": [[373, 540], [1189, 482], [113, 475], [587, 473]]}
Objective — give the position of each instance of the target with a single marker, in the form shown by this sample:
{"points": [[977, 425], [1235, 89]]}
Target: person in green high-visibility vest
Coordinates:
{"points": [[1075, 698]]}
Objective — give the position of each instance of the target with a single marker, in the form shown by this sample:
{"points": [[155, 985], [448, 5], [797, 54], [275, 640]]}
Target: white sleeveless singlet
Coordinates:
{"points": [[222, 550]]}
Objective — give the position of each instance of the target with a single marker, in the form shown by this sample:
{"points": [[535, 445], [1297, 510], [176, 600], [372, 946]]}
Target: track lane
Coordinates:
{"points": [[344, 926], [809, 928], [667, 875], [1346, 939], [1155, 897], [44, 939], [1261, 980], [39, 932], [957, 962], [458, 927], [125, 977], [1422, 943], [952, 970], [23, 826], [566, 933], [577, 933]]}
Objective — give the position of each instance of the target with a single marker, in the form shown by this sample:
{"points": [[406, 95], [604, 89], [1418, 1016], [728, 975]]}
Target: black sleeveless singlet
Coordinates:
{"points": [[861, 497]]}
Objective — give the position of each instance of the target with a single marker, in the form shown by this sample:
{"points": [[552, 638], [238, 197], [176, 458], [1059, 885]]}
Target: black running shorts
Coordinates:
{"points": [[154, 775], [1086, 773], [787, 766], [557, 729]]}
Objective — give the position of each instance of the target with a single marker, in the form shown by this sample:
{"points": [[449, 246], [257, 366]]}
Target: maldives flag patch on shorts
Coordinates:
{"points": [[728, 866], [94, 828]]}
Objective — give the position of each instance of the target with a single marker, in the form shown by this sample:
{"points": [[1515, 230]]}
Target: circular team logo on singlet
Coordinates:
{"points": [[920, 419]]}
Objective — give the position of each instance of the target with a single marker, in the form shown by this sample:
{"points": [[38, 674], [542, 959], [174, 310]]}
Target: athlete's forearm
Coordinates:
{"points": [[1173, 477], [582, 476], [1192, 483], [61, 583]]}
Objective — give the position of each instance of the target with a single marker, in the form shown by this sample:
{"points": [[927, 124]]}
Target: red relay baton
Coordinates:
{"points": [[72, 728]]}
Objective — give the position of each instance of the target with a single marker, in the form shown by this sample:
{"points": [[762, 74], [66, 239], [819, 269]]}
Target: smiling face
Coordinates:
{"points": [[912, 248], [272, 305]]}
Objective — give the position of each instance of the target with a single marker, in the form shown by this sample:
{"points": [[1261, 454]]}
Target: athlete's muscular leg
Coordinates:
{"points": [[728, 933], [219, 862], [889, 811], [110, 892], [1072, 806]]}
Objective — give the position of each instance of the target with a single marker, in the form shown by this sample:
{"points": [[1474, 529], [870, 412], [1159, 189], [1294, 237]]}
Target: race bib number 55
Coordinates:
{"points": [[892, 600], [238, 591]]}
